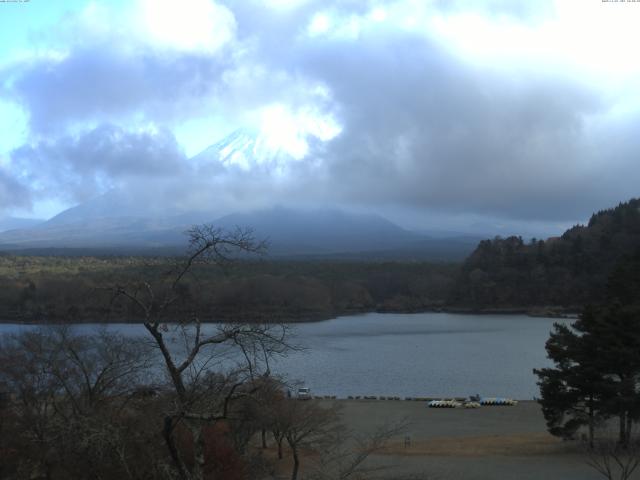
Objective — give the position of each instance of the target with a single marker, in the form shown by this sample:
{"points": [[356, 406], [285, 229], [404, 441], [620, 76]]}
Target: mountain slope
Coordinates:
{"points": [[12, 223], [289, 232], [568, 271], [113, 204], [320, 231]]}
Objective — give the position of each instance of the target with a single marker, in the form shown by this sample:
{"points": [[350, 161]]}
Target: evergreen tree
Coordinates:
{"points": [[573, 392], [597, 362]]}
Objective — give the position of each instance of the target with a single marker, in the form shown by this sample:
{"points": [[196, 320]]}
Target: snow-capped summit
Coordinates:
{"points": [[245, 148]]}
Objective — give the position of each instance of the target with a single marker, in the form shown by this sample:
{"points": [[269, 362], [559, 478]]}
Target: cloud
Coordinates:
{"points": [[12, 193], [98, 84], [445, 135], [524, 10], [191, 25], [160, 61], [423, 129], [188, 26], [375, 104], [76, 168]]}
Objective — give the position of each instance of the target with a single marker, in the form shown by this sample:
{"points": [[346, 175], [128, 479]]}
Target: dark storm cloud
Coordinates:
{"points": [[425, 130], [79, 167], [613, 153], [12, 193], [107, 81]]}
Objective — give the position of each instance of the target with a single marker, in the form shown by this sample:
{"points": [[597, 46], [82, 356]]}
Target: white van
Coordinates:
{"points": [[304, 393]]}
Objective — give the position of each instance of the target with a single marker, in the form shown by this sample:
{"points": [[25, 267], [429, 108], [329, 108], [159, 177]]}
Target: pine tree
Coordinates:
{"points": [[597, 362], [573, 392]]}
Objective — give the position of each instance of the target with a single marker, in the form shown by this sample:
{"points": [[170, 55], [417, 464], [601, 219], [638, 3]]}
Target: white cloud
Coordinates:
{"points": [[13, 127], [285, 4], [188, 25], [195, 26], [591, 38], [289, 131], [320, 24], [378, 14]]}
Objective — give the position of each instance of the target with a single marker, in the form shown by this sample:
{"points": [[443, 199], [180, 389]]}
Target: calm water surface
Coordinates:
{"points": [[426, 354]]}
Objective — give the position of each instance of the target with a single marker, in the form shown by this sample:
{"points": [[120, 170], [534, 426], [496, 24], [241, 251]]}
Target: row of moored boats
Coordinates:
{"points": [[453, 403]]}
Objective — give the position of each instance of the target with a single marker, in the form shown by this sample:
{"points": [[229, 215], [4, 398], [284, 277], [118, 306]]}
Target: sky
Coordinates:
{"points": [[518, 116]]}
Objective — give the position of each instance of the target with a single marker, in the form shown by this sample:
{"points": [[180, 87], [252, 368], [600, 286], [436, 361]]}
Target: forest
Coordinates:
{"points": [[70, 289], [556, 275], [567, 271]]}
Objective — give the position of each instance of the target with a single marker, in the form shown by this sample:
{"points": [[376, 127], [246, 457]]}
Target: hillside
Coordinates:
{"points": [[107, 225], [11, 223], [566, 271]]}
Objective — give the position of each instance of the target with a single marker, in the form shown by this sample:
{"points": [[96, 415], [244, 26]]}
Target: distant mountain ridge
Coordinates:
{"points": [[289, 232], [321, 231], [12, 223]]}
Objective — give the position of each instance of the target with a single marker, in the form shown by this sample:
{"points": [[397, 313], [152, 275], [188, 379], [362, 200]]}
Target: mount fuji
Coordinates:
{"points": [[243, 149], [119, 221]]}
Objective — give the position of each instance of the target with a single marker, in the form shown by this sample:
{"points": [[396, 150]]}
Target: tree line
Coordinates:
{"points": [[567, 271], [68, 289]]}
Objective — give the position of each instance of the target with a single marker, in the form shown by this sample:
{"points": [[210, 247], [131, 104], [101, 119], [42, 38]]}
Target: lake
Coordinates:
{"points": [[423, 354]]}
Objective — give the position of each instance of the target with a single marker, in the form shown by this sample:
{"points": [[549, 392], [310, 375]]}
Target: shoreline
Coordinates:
{"points": [[533, 312]]}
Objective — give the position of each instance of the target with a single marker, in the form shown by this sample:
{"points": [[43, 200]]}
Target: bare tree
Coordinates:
{"points": [[69, 394], [199, 401], [345, 455], [33, 391], [613, 460], [304, 425], [276, 418]]}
